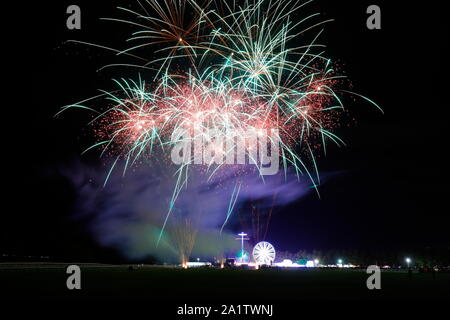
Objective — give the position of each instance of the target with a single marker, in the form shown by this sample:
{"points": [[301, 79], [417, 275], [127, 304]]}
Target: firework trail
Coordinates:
{"points": [[184, 233], [220, 69]]}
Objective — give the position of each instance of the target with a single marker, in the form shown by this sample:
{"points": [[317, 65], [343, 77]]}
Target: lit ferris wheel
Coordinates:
{"points": [[264, 253]]}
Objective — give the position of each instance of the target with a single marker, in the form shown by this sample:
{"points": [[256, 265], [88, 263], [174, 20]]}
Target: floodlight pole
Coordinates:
{"points": [[242, 236]]}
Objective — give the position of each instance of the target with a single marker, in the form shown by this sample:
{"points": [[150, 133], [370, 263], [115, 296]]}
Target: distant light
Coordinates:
{"points": [[310, 264], [243, 256], [197, 264], [316, 261], [340, 261], [408, 260], [286, 263]]}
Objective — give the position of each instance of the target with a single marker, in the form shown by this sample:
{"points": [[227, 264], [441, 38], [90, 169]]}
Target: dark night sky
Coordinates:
{"points": [[386, 189]]}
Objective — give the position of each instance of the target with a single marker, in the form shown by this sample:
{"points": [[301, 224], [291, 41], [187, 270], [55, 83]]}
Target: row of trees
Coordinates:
{"points": [[419, 257]]}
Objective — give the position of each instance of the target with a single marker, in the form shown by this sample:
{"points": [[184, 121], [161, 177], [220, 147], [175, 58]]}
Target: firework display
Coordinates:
{"points": [[223, 75]]}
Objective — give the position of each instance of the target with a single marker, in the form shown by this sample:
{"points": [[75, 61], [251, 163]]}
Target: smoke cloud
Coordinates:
{"points": [[128, 212]]}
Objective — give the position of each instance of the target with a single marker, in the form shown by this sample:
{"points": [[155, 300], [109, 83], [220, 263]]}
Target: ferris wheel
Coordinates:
{"points": [[264, 253]]}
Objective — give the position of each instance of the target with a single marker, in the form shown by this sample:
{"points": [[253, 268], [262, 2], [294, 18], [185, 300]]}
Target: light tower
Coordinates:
{"points": [[242, 237], [408, 261]]}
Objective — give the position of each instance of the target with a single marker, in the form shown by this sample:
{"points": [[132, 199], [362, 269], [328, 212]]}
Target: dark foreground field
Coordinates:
{"points": [[215, 285]]}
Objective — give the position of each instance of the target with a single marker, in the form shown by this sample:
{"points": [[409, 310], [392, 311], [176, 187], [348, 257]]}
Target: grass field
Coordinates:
{"points": [[48, 281]]}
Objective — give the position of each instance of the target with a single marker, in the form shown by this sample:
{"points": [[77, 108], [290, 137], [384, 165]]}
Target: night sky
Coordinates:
{"points": [[385, 190]]}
